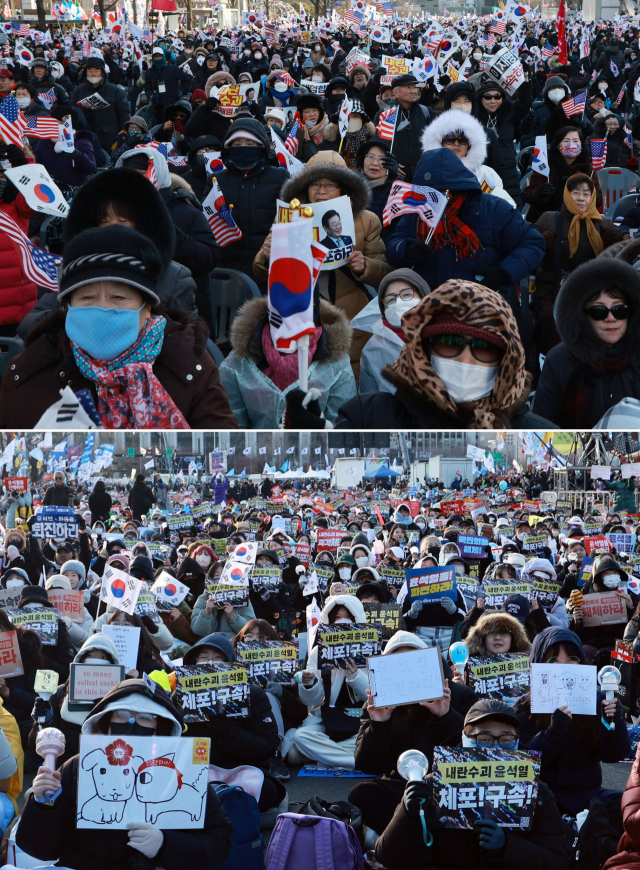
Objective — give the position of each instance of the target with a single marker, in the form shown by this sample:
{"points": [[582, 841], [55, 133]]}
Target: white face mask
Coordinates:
{"points": [[556, 94], [465, 382], [15, 584], [459, 569], [203, 560], [393, 313], [258, 55], [354, 125], [95, 662], [477, 55], [602, 86], [611, 581], [94, 80], [23, 102], [342, 621], [56, 73], [465, 107], [317, 78], [345, 573], [280, 87], [362, 561]]}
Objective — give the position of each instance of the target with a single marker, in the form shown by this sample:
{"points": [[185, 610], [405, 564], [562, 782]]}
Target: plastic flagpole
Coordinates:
{"points": [[303, 341]]}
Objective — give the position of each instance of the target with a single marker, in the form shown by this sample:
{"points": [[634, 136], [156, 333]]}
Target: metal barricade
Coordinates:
{"points": [[588, 498]]}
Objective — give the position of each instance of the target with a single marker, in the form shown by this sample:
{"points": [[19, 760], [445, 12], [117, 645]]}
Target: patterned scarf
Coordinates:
{"points": [[283, 367], [451, 232], [475, 305], [130, 396], [578, 391], [351, 144], [316, 133]]}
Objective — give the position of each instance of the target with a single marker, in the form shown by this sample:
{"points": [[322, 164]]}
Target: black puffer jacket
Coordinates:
{"points": [[105, 123], [140, 499], [502, 122], [253, 196], [609, 374], [196, 175]]}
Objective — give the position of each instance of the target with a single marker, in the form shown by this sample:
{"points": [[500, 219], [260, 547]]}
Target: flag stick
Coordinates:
{"points": [[341, 141], [303, 362]]}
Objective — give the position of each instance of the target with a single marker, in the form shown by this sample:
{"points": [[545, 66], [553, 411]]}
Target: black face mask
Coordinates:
{"points": [[245, 157], [128, 729]]}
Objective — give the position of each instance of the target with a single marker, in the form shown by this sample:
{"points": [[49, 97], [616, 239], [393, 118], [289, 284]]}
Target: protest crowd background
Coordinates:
{"points": [[316, 216], [426, 657]]}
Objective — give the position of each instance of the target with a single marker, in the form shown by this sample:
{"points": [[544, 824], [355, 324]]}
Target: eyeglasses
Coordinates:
{"points": [[601, 312], [460, 140], [572, 660], [329, 186], [405, 295], [484, 741], [492, 96], [373, 158], [451, 346], [122, 716]]}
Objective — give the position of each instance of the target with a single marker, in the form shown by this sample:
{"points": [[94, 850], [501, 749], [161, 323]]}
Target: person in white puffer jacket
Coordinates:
{"points": [[75, 572], [328, 734], [470, 147]]}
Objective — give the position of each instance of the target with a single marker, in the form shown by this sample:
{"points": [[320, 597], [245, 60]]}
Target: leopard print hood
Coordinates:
{"points": [[477, 306]]}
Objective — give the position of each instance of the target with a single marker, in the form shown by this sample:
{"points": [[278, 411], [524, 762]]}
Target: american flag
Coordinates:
{"points": [[270, 33], [387, 123], [353, 17], [574, 105], [498, 26], [623, 91], [48, 98], [37, 265], [41, 127], [629, 139], [548, 50], [218, 215], [598, 153], [12, 121], [489, 39], [20, 28], [291, 143], [286, 78], [405, 198], [178, 161]]}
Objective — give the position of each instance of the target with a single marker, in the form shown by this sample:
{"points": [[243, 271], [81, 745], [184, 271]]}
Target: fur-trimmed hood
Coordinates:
{"points": [[496, 622], [329, 164], [246, 331], [218, 79], [574, 326], [628, 251], [457, 121]]}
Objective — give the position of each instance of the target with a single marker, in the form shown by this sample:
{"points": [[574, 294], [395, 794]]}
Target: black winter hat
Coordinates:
{"points": [[34, 595], [111, 253], [189, 566], [142, 568], [456, 90]]}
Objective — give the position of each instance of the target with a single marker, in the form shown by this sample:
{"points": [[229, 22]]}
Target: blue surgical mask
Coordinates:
{"points": [[103, 333], [470, 743]]}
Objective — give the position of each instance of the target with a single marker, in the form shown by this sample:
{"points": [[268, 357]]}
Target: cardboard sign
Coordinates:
{"points": [[392, 576], [385, 616], [494, 592], [16, 484], [603, 608], [127, 640], [338, 642], [406, 678], [472, 546], [230, 99], [534, 543], [324, 575], [564, 685], [44, 622], [329, 539], [265, 579], [546, 592], [600, 472], [396, 66], [451, 507], [504, 677], [218, 689], [431, 584], [89, 683], [226, 593], [10, 658], [55, 522], [9, 598], [268, 661], [68, 602], [176, 523], [302, 552], [506, 69], [497, 784], [160, 781], [146, 605]]}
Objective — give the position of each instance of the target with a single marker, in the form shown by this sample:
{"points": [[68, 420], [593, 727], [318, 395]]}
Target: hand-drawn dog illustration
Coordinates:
{"points": [[160, 787], [113, 771], [544, 690]]}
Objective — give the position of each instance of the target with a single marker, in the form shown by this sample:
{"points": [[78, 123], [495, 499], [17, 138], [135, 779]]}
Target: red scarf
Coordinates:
{"points": [[283, 367], [451, 232], [397, 329]]}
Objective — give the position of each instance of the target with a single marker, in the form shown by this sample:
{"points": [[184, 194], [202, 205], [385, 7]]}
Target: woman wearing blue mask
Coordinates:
{"points": [[109, 341]]}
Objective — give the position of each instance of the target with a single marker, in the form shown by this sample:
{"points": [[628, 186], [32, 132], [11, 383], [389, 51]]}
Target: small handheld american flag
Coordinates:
{"points": [[219, 217], [41, 127], [623, 91], [38, 265], [574, 105], [12, 121], [291, 143], [548, 50], [387, 123], [598, 153]]}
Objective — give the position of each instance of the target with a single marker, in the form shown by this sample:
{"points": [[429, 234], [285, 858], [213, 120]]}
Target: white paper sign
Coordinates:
{"points": [[572, 686], [507, 70], [630, 469], [601, 472], [406, 678], [126, 639], [160, 781]]}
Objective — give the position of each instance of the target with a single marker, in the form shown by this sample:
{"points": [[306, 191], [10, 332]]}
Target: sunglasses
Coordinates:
{"points": [[461, 140], [601, 312], [492, 96], [451, 346]]}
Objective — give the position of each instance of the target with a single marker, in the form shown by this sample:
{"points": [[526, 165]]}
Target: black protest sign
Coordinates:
{"points": [[205, 691]]}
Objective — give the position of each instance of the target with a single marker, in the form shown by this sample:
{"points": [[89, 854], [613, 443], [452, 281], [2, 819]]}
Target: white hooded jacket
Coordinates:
{"points": [[454, 121]]}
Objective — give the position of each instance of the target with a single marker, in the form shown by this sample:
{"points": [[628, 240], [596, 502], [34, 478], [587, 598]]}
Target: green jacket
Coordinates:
{"points": [[202, 625], [625, 499]]}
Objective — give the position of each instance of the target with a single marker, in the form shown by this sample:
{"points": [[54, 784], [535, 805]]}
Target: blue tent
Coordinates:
{"points": [[384, 471]]}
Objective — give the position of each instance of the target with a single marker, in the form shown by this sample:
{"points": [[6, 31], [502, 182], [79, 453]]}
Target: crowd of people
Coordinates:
{"points": [[340, 558], [510, 312]]}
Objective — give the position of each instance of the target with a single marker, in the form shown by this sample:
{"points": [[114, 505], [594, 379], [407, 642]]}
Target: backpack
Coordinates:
{"points": [[313, 842], [247, 845]]}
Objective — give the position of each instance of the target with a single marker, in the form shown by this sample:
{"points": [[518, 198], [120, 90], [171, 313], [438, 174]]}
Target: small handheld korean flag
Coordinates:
{"points": [[343, 117], [540, 162], [314, 615], [284, 157], [40, 191], [66, 137], [120, 590], [246, 552], [168, 590]]}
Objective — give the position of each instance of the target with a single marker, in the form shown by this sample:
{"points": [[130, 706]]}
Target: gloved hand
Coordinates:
{"points": [[490, 836], [560, 723], [545, 192], [82, 525], [303, 411], [585, 125], [494, 278], [390, 163], [57, 147], [419, 252], [42, 710], [414, 793], [448, 604], [416, 608], [381, 71], [146, 839], [13, 552]]}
